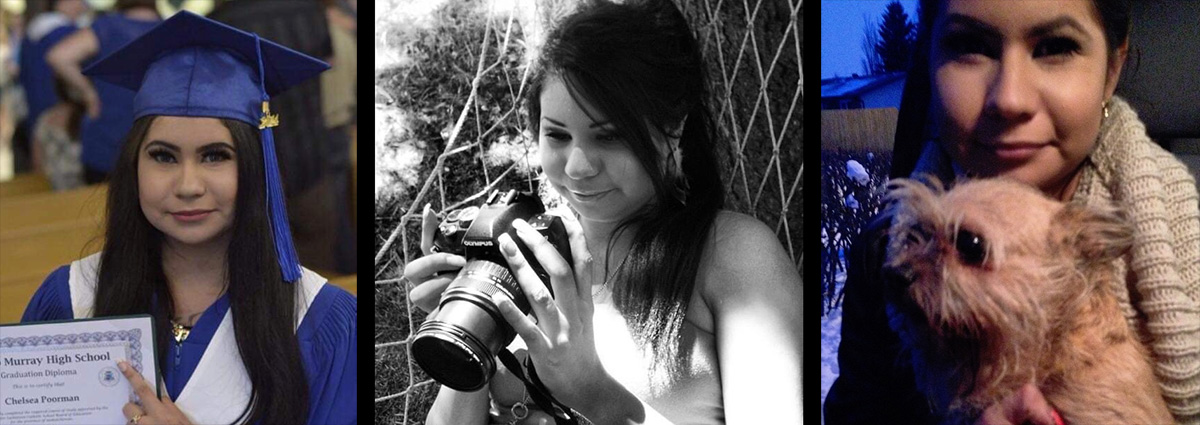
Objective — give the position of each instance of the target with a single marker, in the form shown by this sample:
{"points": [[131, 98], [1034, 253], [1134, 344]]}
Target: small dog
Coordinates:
{"points": [[998, 286]]}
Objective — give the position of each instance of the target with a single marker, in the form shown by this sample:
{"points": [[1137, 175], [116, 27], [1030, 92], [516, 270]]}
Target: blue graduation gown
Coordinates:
{"points": [[327, 335]]}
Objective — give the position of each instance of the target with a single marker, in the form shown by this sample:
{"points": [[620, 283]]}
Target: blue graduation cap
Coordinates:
{"points": [[193, 66]]}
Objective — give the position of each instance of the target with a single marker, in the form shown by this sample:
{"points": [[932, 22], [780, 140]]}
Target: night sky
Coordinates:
{"points": [[842, 32]]}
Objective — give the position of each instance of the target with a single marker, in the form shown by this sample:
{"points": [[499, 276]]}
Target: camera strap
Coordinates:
{"points": [[563, 415]]}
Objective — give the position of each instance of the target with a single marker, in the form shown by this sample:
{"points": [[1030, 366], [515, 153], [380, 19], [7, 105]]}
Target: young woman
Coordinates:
{"points": [[674, 310], [1024, 90], [245, 335]]}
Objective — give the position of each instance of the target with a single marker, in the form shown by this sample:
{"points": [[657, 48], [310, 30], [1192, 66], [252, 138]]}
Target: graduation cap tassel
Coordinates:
{"points": [[284, 249]]}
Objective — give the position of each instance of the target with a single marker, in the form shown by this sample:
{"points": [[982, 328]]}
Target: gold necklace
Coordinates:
{"points": [[181, 332]]}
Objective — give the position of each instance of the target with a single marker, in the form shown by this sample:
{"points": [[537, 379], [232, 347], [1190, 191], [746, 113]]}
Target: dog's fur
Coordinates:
{"points": [[1039, 309]]}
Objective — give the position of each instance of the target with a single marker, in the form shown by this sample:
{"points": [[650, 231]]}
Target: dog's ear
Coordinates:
{"points": [[1095, 234], [912, 207]]}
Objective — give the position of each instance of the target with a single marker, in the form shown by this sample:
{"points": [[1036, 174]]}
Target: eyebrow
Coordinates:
{"points": [[172, 147], [1039, 30], [560, 124]]}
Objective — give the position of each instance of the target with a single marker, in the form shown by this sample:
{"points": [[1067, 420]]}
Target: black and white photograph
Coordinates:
{"points": [[588, 212]]}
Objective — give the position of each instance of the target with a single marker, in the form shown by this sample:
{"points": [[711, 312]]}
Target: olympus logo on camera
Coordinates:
{"points": [[477, 243]]}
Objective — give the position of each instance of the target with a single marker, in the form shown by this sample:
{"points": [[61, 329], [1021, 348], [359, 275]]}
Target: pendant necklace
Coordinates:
{"points": [[614, 273], [181, 332]]}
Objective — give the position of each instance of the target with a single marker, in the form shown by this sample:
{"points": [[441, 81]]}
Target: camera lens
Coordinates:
{"points": [[452, 356], [457, 347]]}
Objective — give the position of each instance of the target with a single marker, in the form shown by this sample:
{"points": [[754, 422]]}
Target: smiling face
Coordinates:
{"points": [[187, 178], [585, 160], [1019, 87]]}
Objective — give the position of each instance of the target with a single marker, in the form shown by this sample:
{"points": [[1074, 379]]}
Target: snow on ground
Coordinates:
{"points": [[831, 336]]}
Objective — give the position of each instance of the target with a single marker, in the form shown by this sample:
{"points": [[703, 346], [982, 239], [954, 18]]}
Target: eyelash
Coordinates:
{"points": [[219, 154], [562, 137], [161, 156], [167, 157], [608, 137], [959, 45], [1058, 46], [964, 44]]}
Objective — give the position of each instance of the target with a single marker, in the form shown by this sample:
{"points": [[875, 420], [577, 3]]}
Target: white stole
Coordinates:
{"points": [[219, 388]]}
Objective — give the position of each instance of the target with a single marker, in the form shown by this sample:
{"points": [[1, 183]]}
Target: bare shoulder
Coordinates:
{"points": [[735, 227], [742, 254]]}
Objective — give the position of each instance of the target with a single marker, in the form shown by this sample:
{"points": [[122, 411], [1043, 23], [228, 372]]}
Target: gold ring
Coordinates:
{"points": [[135, 419]]}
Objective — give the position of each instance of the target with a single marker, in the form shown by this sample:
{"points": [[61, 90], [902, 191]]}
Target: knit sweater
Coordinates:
{"points": [[1161, 297]]}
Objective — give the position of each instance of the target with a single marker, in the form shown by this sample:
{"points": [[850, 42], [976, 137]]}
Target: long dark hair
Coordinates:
{"points": [[912, 124], [263, 305], [639, 63]]}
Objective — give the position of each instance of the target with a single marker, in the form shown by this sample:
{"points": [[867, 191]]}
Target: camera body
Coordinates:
{"points": [[457, 345]]}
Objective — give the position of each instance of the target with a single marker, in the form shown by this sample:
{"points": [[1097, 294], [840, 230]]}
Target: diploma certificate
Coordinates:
{"points": [[66, 372]]}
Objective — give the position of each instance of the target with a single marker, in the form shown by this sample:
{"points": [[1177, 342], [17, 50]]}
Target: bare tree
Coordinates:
{"points": [[888, 43], [871, 62]]}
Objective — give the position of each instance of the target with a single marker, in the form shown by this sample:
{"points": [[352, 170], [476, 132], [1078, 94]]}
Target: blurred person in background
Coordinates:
{"points": [[12, 101], [314, 159], [339, 85], [56, 144], [51, 22], [108, 107]]}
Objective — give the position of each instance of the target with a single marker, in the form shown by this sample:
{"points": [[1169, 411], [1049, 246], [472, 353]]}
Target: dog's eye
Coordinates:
{"points": [[971, 247]]}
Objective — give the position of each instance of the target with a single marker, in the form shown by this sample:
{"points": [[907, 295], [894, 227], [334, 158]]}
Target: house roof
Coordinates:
{"points": [[853, 86]]}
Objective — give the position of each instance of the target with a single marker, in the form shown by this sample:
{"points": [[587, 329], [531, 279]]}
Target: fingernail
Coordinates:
{"points": [[457, 261], [521, 225], [506, 245], [122, 366], [498, 300]]}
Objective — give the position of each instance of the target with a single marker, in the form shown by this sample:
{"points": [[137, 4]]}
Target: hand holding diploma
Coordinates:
{"points": [[152, 411], [66, 372]]}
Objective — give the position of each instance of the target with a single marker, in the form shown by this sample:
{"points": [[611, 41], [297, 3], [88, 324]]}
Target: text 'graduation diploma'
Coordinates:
{"points": [[66, 372]]}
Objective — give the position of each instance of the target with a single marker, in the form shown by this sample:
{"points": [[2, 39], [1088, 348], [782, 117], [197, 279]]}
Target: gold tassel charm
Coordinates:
{"points": [[268, 120]]}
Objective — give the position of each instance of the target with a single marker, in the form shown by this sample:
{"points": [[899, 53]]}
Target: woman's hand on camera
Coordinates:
{"points": [[561, 341], [431, 274]]}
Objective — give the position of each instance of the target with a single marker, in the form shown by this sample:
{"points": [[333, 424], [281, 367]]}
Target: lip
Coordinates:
{"points": [[1014, 150], [191, 215], [589, 196]]}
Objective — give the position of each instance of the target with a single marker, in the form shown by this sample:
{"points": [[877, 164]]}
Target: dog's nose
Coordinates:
{"points": [[895, 279]]}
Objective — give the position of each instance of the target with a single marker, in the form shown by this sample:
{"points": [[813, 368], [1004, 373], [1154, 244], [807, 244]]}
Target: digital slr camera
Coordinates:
{"points": [[457, 345]]}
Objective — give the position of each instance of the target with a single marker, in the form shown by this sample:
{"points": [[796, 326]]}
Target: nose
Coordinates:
{"points": [[191, 185], [1012, 95], [579, 165]]}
